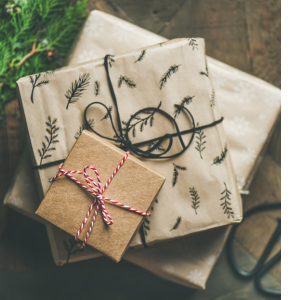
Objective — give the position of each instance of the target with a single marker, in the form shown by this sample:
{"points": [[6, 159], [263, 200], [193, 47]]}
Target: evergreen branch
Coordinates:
{"points": [[201, 142], [35, 84], [172, 70], [193, 43], [185, 101], [110, 60], [69, 249], [146, 223], [97, 88], [35, 36], [176, 224], [158, 148], [127, 81], [108, 113], [219, 159], [51, 129], [176, 173], [142, 121], [195, 199], [141, 56], [90, 124], [77, 88], [226, 205]]}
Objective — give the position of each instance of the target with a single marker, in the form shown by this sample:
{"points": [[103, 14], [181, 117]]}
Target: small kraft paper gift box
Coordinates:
{"points": [[155, 102], [131, 184]]}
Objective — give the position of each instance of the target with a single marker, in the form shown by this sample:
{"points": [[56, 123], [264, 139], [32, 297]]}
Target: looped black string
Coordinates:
{"points": [[121, 135]]}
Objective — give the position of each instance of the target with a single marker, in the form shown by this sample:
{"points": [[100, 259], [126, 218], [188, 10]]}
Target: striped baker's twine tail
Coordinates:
{"points": [[95, 190]]}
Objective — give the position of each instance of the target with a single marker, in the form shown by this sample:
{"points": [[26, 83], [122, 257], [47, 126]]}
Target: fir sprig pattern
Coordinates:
{"points": [[91, 123], [176, 170], [226, 205], [212, 99], [35, 84], [172, 70], [200, 141], [110, 108], [177, 224], [195, 199], [51, 139], [193, 43], [218, 160], [97, 87], [141, 122], [110, 60], [146, 223], [77, 88], [142, 55], [185, 101], [203, 73], [69, 246], [158, 148], [130, 83]]}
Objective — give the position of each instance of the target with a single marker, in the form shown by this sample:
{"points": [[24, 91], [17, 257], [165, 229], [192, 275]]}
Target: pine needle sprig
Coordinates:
{"points": [[158, 148], [176, 173], [127, 81], [200, 142], [142, 55], [51, 139], [195, 199], [185, 101], [203, 73], [219, 159], [193, 43], [36, 84], [226, 205], [69, 247], [172, 70], [141, 121], [35, 36], [179, 219], [146, 223], [97, 90], [110, 60], [77, 88], [110, 108], [90, 124]]}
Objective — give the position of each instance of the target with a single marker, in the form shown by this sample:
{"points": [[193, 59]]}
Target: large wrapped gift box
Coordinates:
{"points": [[102, 34], [129, 99]]}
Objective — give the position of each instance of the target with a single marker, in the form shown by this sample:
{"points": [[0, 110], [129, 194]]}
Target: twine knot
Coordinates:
{"points": [[96, 190]]}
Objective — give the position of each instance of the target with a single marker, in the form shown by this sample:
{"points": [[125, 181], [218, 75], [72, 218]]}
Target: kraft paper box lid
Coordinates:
{"points": [[135, 184]]}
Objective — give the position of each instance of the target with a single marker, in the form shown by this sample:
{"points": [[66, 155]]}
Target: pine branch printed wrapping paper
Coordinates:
{"points": [[176, 74], [249, 105]]}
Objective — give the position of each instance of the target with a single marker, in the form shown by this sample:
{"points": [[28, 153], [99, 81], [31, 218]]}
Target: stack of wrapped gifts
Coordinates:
{"points": [[140, 148]]}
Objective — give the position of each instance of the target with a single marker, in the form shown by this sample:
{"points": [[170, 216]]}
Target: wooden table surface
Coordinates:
{"points": [[244, 34]]}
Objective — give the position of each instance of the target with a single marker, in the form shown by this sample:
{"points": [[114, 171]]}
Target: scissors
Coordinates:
{"points": [[260, 268]]}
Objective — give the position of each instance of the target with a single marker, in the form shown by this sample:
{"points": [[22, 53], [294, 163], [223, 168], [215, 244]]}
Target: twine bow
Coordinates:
{"points": [[97, 192]]}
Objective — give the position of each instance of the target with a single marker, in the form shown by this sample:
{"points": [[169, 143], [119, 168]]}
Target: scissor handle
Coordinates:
{"points": [[267, 250], [261, 273]]}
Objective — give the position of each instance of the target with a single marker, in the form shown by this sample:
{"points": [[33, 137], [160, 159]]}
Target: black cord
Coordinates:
{"points": [[259, 269]]}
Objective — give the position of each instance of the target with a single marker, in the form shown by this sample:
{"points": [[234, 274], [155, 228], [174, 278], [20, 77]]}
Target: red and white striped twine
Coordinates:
{"points": [[95, 190]]}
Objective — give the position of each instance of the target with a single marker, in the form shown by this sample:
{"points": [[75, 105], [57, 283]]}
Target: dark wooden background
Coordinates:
{"points": [[244, 34]]}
